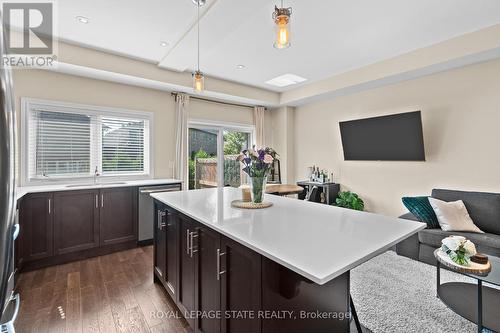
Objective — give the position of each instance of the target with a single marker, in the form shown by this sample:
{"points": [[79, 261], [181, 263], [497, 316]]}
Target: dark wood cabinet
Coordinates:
{"points": [[206, 245], [59, 223], [160, 241], [118, 215], [187, 256], [226, 287], [166, 248], [215, 274], [171, 230], [240, 286], [36, 220], [67, 225], [76, 221], [285, 290]]}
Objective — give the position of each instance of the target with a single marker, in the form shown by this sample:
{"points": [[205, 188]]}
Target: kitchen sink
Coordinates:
{"points": [[80, 185], [92, 184]]}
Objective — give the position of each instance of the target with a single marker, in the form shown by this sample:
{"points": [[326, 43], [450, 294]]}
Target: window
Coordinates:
{"points": [[66, 141], [122, 145]]}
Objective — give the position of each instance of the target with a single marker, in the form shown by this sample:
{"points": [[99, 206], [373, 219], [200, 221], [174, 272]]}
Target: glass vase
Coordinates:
{"points": [[257, 188]]}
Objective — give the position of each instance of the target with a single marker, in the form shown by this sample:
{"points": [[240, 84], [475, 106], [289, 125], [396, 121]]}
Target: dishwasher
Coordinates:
{"points": [[146, 210]]}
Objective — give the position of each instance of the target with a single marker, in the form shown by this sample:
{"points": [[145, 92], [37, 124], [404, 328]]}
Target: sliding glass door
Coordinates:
{"points": [[203, 148], [234, 141], [213, 149]]}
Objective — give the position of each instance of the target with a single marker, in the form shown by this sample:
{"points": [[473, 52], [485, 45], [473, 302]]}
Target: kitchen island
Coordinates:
{"points": [[280, 269]]}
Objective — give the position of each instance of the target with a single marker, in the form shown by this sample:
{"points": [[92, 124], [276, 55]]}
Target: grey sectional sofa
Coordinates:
{"points": [[483, 208]]}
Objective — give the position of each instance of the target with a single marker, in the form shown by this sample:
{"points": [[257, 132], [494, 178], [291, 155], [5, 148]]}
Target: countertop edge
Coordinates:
{"points": [[21, 191], [320, 280], [371, 255]]}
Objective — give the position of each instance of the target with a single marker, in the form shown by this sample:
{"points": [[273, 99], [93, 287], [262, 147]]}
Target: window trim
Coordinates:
{"points": [[28, 103]]}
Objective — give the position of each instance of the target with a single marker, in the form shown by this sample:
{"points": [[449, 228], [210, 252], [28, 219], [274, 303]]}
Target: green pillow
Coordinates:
{"points": [[422, 209]]}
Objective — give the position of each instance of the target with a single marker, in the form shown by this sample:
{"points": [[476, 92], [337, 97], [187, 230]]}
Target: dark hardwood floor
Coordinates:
{"points": [[112, 293]]}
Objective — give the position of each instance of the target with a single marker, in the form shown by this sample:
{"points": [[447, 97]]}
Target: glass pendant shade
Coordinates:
{"points": [[282, 32], [281, 17], [198, 81]]}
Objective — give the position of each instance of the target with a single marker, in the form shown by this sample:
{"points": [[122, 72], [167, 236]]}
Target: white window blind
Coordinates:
{"points": [[123, 145], [61, 142], [64, 142]]}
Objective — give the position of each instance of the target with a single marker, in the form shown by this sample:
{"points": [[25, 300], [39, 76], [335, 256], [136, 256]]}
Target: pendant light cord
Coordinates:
{"points": [[199, 35]]}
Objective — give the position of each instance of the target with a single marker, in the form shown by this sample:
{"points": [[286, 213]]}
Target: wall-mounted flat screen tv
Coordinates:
{"points": [[397, 137]]}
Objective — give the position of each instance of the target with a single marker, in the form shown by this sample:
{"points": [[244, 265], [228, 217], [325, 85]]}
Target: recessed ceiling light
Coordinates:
{"points": [[241, 66], [164, 44], [82, 19], [286, 80]]}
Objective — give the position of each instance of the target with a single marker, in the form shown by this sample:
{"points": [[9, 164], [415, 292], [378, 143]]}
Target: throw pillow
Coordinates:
{"points": [[422, 209], [453, 216]]}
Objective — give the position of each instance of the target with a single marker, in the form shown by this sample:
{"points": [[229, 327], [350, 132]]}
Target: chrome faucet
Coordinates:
{"points": [[96, 174]]}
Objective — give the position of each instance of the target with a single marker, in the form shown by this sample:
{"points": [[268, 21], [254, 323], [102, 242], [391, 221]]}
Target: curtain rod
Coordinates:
{"points": [[214, 101]]}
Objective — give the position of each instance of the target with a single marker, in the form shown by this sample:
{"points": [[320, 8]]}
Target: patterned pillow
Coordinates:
{"points": [[422, 209]]}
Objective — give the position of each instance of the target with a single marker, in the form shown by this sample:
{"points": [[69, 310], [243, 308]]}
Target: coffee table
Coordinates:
{"points": [[476, 303]]}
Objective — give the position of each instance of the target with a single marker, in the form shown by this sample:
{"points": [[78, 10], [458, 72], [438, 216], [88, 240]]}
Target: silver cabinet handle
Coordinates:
{"points": [[174, 189], [161, 224], [50, 206], [168, 221], [193, 235], [164, 219], [187, 242], [96, 201], [158, 219], [219, 272], [102, 200]]}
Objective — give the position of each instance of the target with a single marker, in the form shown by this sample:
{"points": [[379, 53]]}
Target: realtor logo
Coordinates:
{"points": [[29, 31]]}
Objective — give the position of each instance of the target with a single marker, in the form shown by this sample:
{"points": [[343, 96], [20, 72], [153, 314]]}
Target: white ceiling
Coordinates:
{"points": [[328, 36]]}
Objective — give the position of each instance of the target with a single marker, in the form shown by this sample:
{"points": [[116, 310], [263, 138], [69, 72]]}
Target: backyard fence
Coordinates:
{"points": [[205, 174]]}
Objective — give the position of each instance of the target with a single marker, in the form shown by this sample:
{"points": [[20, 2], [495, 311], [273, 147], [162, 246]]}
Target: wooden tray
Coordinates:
{"points": [[250, 205], [473, 268]]}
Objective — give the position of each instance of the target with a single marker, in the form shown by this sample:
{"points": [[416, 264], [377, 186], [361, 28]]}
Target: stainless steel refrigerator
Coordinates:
{"points": [[9, 229]]}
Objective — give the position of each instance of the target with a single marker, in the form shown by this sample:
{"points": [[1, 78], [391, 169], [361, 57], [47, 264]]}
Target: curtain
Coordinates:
{"points": [[181, 139], [258, 118]]}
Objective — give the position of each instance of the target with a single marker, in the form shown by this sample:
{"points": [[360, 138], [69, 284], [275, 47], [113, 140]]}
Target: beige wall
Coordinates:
{"points": [[73, 89], [461, 118], [280, 129]]}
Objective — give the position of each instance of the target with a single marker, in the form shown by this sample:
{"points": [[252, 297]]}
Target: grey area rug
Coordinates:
{"points": [[396, 294]]}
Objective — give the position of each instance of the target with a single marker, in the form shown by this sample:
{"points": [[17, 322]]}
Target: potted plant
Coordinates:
{"points": [[257, 164], [350, 200]]}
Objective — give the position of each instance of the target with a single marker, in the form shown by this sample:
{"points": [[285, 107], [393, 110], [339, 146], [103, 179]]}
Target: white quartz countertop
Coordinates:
{"points": [[317, 241], [22, 191]]}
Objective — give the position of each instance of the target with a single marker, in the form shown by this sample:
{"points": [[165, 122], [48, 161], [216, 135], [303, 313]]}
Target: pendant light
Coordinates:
{"points": [[281, 17], [198, 77]]}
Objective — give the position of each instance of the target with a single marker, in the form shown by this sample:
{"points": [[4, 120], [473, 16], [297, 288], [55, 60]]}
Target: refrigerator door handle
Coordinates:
{"points": [[15, 234], [8, 326], [7, 172]]}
